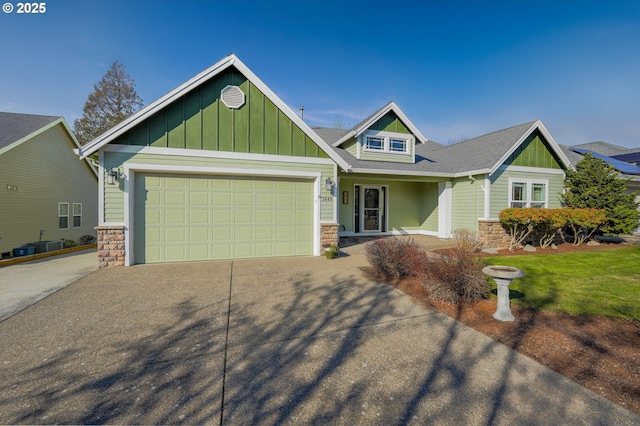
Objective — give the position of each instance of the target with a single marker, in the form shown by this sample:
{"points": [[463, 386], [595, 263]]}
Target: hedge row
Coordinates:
{"points": [[544, 225]]}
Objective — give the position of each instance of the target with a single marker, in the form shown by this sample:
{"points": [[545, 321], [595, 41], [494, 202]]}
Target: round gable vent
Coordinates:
{"points": [[232, 97]]}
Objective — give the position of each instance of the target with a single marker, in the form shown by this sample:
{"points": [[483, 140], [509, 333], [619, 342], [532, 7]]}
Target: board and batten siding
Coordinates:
{"points": [[114, 194], [500, 188], [46, 172], [200, 120]]}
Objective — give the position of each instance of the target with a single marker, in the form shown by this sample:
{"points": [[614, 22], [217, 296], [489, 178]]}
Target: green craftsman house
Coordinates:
{"points": [[222, 168], [46, 194]]}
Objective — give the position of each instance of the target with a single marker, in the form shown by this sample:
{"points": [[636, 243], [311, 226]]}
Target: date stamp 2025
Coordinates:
{"points": [[25, 8]]}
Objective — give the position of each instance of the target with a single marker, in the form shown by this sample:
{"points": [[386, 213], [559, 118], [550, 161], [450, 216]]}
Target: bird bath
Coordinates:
{"points": [[503, 275]]}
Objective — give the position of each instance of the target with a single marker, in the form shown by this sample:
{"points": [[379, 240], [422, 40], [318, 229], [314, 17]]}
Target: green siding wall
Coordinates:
{"points": [[390, 123], [534, 152], [46, 172], [467, 204], [199, 120], [412, 205], [114, 194], [500, 188]]}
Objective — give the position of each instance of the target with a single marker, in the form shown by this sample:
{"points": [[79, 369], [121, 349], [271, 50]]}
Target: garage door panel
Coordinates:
{"points": [[191, 217]]}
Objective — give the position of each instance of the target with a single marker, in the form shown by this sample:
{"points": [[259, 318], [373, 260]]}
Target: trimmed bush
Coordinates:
{"points": [[543, 225], [457, 278], [68, 243], [395, 257]]}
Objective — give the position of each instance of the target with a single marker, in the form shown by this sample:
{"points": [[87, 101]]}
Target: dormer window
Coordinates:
{"points": [[397, 143], [374, 143]]}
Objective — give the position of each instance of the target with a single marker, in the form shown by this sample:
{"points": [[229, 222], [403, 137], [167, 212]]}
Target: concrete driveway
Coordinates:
{"points": [[24, 284], [278, 341]]}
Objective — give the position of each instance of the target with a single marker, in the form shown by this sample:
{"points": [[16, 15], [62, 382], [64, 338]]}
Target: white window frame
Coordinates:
{"points": [[73, 212], [387, 137], [60, 215], [529, 191]]}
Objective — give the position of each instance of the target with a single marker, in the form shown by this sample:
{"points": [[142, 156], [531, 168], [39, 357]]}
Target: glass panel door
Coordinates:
{"points": [[371, 209]]}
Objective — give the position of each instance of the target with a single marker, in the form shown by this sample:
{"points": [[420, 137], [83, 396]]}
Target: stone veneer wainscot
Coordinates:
{"points": [[110, 246]]}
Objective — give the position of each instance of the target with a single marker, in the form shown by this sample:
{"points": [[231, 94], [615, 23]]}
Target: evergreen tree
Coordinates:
{"points": [[113, 99], [596, 184]]}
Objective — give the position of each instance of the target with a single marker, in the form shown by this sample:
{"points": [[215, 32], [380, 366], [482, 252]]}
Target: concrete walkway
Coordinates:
{"points": [[275, 341], [24, 284]]}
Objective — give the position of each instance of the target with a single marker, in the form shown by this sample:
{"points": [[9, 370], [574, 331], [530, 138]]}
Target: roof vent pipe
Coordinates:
{"points": [[301, 112]]}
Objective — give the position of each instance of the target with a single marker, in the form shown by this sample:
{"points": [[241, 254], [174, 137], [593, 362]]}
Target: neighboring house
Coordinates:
{"points": [[221, 168], [624, 160], [43, 186]]}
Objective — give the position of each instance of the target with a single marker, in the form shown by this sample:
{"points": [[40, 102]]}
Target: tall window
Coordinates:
{"points": [[63, 215], [527, 193], [77, 215]]}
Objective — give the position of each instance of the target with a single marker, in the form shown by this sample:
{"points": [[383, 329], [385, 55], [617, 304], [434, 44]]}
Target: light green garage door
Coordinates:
{"points": [[189, 217]]}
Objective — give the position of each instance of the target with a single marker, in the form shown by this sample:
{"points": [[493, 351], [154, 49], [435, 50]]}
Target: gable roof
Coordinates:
{"points": [[194, 82], [488, 152], [364, 125], [483, 154], [15, 127]]}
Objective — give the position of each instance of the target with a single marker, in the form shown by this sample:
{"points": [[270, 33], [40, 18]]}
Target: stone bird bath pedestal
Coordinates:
{"points": [[503, 275]]}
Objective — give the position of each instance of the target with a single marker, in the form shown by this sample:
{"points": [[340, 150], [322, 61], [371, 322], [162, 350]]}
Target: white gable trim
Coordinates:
{"points": [[391, 106], [194, 82], [552, 143]]}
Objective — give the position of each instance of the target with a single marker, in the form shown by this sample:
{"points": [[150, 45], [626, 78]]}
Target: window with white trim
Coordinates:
{"points": [[374, 143], [63, 215], [77, 215], [397, 143], [528, 193]]}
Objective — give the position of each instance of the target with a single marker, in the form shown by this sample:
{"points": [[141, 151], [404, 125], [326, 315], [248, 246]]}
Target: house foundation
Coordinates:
{"points": [[328, 234], [493, 235], [110, 246]]}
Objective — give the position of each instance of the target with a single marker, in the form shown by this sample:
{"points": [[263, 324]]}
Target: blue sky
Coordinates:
{"points": [[458, 69]]}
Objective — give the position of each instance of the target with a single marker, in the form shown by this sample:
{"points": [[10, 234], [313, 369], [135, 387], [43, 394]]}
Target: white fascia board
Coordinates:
{"points": [[532, 170], [289, 113], [402, 172], [554, 146], [152, 108], [349, 135], [198, 153], [195, 82], [391, 106]]}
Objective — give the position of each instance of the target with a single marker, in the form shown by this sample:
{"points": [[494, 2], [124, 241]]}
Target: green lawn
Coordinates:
{"points": [[605, 282]]}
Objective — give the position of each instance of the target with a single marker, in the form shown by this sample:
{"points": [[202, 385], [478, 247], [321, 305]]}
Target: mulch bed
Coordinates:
{"points": [[602, 354]]}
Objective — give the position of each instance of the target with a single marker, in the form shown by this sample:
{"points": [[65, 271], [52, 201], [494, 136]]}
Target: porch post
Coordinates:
{"points": [[444, 209]]}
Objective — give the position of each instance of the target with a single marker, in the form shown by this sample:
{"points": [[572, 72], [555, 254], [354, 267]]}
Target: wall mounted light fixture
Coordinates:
{"points": [[112, 176], [328, 184]]}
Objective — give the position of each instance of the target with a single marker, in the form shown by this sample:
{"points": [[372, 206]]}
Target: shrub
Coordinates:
{"points": [[466, 240], [583, 223], [455, 279], [68, 243], [395, 257], [87, 239], [597, 185], [543, 225]]}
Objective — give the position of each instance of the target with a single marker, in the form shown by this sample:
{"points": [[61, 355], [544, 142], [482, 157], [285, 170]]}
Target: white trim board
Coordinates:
{"points": [[183, 152]]}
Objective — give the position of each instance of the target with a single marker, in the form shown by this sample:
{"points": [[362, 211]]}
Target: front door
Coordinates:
{"points": [[372, 209]]}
